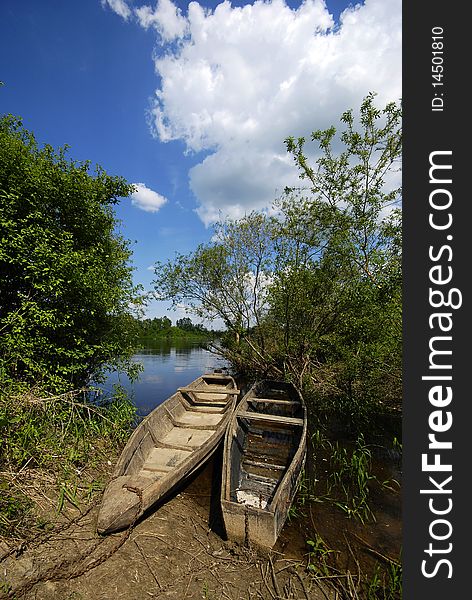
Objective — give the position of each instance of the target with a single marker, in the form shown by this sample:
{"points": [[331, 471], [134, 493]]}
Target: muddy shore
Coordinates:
{"points": [[176, 551], [179, 551]]}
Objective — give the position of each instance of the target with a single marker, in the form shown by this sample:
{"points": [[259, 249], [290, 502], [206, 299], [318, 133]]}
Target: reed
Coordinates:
{"points": [[350, 477], [384, 584]]}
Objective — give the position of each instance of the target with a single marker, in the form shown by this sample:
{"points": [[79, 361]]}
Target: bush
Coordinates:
{"points": [[66, 282]]}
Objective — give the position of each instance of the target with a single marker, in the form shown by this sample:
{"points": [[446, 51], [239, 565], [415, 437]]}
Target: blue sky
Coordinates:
{"points": [[191, 101]]}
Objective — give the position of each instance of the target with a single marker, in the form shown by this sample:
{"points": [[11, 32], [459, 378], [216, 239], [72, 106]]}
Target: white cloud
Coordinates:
{"points": [[147, 199], [231, 182], [236, 81], [166, 18], [119, 7]]}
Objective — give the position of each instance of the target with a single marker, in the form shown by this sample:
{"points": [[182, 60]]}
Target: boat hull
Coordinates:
{"points": [[264, 456], [166, 448]]}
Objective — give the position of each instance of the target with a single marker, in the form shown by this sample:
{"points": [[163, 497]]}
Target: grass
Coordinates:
{"points": [[206, 592], [55, 449], [384, 584], [317, 561], [302, 499], [350, 478], [15, 510]]}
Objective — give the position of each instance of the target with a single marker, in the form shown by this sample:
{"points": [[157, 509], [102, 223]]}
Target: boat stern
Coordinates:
{"points": [[250, 526]]}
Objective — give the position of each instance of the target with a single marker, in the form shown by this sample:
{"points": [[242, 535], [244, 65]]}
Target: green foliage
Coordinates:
{"points": [[337, 288], [350, 476], [318, 555], [350, 479], [54, 430], [385, 584], [15, 510], [62, 441], [66, 282]]}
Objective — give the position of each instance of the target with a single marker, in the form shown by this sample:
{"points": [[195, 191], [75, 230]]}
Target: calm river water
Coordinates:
{"points": [[167, 366]]}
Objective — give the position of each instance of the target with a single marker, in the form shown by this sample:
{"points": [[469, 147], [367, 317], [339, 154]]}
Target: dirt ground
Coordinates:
{"points": [[176, 552]]}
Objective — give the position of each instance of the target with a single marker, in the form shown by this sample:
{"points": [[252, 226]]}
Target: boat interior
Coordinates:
{"points": [[179, 427], [268, 433]]}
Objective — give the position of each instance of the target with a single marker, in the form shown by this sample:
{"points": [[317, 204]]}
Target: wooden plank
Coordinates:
{"points": [[165, 459], [270, 418], [256, 463], [171, 446], [273, 401], [209, 390], [192, 438], [198, 420]]}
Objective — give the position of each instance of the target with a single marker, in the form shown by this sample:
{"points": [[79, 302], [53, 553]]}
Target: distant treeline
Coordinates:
{"points": [[162, 328]]}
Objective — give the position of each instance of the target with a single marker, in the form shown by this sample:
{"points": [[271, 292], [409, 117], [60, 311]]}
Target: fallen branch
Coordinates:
{"points": [[376, 552], [147, 564], [274, 578]]}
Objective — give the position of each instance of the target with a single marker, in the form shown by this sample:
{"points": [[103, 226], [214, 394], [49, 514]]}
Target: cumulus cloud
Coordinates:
{"points": [[119, 7], [234, 82], [147, 199], [166, 19]]}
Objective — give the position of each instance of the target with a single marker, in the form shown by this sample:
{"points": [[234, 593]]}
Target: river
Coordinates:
{"points": [[166, 366]]}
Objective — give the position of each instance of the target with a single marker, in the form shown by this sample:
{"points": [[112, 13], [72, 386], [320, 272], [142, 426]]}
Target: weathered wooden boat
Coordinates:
{"points": [[264, 455], [174, 440]]}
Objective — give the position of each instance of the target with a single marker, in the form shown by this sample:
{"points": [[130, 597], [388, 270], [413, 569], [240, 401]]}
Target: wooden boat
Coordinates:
{"points": [[264, 454], [168, 446]]}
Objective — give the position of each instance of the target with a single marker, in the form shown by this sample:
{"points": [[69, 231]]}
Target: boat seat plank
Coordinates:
{"points": [[274, 401], [207, 399], [171, 446], [207, 408], [260, 479], [210, 389], [263, 488], [264, 465], [270, 418]]}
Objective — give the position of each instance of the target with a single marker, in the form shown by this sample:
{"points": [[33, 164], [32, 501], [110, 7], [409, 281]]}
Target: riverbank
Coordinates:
{"points": [[173, 336], [344, 530], [56, 450], [179, 550], [175, 552]]}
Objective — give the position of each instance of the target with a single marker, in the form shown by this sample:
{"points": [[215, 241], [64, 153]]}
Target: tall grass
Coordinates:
{"points": [[350, 477], [56, 447]]}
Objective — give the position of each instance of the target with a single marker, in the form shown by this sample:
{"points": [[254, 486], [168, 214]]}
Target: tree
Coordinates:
{"points": [[224, 279], [341, 267], [349, 206], [66, 280], [313, 293], [185, 323]]}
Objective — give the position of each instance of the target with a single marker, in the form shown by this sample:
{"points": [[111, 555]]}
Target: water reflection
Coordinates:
{"points": [[166, 367]]}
